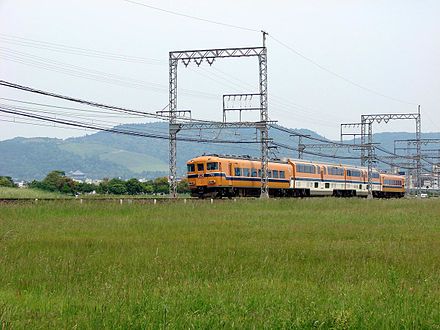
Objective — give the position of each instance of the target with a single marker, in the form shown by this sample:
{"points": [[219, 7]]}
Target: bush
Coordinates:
{"points": [[161, 186], [6, 181], [183, 187], [55, 181], [134, 187]]}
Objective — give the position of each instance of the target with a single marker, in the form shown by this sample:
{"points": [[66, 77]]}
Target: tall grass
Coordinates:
{"points": [[318, 263], [14, 193]]}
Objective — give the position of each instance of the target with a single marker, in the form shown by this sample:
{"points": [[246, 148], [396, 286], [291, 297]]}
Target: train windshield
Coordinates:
{"points": [[191, 167], [212, 166], [200, 167]]}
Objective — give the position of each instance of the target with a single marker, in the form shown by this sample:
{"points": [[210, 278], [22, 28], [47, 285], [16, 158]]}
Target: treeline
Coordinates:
{"points": [[57, 181], [6, 181]]}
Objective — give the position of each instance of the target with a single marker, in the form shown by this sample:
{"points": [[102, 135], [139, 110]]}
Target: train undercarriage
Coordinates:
{"points": [[230, 192]]}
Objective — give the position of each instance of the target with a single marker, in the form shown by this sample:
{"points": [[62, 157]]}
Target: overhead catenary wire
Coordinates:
{"points": [[94, 119], [284, 146], [291, 49], [91, 74], [92, 126], [91, 103], [293, 132], [192, 16], [350, 81], [67, 49], [89, 111]]}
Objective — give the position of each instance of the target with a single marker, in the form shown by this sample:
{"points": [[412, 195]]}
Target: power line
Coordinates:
{"points": [[94, 118], [89, 103], [71, 108], [90, 74], [284, 146], [293, 132], [44, 45], [192, 17], [92, 126], [280, 103], [370, 90], [12, 119]]}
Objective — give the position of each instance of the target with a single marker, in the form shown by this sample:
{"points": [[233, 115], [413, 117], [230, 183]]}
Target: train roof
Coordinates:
{"points": [[283, 160], [286, 160], [243, 157]]}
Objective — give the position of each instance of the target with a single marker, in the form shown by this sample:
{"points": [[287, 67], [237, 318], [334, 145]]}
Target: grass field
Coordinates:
{"points": [[6, 192], [314, 263]]}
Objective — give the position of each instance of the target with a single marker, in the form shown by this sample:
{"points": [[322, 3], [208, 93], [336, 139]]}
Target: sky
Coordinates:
{"points": [[343, 59]]}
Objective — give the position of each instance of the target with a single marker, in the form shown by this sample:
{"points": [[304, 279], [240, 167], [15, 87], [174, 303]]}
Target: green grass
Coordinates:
{"points": [[6, 192], [315, 263]]}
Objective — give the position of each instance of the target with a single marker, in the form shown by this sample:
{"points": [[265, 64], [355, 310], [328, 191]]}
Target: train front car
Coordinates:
{"points": [[215, 176], [207, 176], [392, 186]]}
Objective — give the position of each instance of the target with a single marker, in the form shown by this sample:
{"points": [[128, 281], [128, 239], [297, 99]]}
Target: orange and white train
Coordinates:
{"points": [[219, 176]]}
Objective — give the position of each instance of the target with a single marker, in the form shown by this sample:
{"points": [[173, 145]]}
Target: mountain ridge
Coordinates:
{"points": [[104, 154]]}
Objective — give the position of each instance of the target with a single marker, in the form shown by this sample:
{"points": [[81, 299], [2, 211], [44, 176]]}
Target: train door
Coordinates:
{"points": [[345, 180], [229, 174], [292, 178]]}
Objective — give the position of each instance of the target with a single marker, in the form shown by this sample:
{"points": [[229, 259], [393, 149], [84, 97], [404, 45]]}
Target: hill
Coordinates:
{"points": [[105, 154]]}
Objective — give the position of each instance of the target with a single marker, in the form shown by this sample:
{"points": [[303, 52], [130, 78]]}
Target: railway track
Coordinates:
{"points": [[162, 200]]}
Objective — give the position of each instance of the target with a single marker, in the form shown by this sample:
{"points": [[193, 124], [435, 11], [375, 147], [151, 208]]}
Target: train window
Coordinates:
{"points": [[375, 175], [253, 173], [335, 171], [355, 173], [237, 171], [212, 166], [275, 174], [191, 167], [259, 173], [316, 184], [327, 185], [304, 168], [318, 169], [360, 186], [246, 172], [200, 167], [282, 174], [269, 174]]}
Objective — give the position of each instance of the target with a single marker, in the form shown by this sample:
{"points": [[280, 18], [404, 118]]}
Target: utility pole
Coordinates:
{"points": [[370, 161], [419, 156], [210, 55], [264, 131], [173, 128], [366, 124], [300, 147]]}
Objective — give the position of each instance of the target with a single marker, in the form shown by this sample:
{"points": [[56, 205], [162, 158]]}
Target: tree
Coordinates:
{"points": [[133, 187], [56, 181], [6, 181], [161, 185], [183, 187], [85, 188], [148, 187], [117, 187], [103, 187]]}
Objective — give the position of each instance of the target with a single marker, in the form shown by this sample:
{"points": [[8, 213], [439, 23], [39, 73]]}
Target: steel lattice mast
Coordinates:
{"points": [[209, 55]]}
